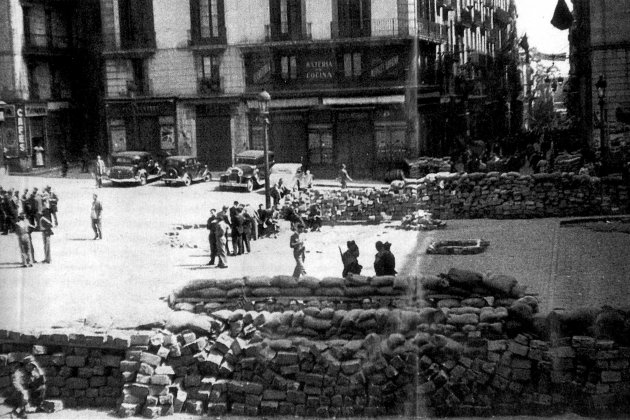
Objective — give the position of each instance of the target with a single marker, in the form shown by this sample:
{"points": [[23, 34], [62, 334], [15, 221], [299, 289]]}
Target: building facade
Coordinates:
{"points": [[600, 46], [50, 84], [361, 82]]}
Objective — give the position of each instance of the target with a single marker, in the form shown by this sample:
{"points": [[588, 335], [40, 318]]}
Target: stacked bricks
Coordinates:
{"points": [[80, 370], [476, 195]]}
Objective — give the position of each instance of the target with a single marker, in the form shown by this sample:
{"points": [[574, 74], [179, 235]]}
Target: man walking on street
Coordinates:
{"points": [[46, 227], [222, 229], [52, 202], [97, 210], [212, 240], [99, 171], [22, 230], [299, 251], [343, 176], [237, 232]]}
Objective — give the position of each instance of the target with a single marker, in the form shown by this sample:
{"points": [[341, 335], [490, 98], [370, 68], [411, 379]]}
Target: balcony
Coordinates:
{"points": [[432, 31], [466, 18], [501, 16], [389, 28], [447, 4], [132, 47], [288, 33], [209, 86]]}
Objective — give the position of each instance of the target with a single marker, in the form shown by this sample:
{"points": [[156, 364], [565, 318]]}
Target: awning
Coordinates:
{"points": [[390, 99]]}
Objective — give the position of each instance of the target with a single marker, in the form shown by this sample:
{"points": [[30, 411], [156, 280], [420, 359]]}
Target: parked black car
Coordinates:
{"points": [[133, 168], [248, 173], [184, 170]]}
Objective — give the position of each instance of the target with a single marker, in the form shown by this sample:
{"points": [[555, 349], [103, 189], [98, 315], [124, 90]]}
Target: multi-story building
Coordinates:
{"points": [[50, 84], [600, 46], [363, 82]]}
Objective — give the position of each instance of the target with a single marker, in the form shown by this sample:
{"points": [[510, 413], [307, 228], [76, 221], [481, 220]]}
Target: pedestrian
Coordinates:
{"points": [[11, 207], [248, 228], [64, 162], [378, 259], [315, 218], [389, 261], [222, 230], [255, 220], [343, 176], [4, 214], [99, 171], [299, 251], [85, 158], [275, 194], [28, 388], [212, 240], [46, 228], [96, 214], [233, 211], [350, 260], [238, 222], [306, 181], [53, 200], [22, 230], [37, 206]]}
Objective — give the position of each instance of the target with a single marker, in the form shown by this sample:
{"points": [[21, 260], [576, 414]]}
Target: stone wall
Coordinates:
{"points": [[492, 195], [470, 345]]}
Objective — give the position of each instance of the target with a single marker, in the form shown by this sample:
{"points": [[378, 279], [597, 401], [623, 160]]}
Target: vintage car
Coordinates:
{"points": [[133, 167], [290, 174], [248, 173], [184, 170]]}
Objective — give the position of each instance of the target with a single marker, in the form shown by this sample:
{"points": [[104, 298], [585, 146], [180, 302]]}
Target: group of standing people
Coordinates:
{"points": [[238, 225], [384, 260], [32, 211]]}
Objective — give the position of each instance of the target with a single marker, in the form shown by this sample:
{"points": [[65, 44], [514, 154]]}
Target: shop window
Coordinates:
{"points": [[352, 64], [320, 145], [390, 142], [288, 67], [209, 78]]}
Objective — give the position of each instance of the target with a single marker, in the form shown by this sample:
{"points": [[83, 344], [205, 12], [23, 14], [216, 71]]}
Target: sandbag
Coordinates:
{"points": [[210, 293], [195, 285], [404, 282], [329, 291], [356, 280], [308, 281], [474, 302], [227, 284], [387, 291], [448, 303], [500, 283], [433, 283], [382, 281], [178, 321], [238, 292], [299, 292], [611, 324], [326, 313], [222, 315], [395, 340], [257, 281], [316, 323], [284, 281], [464, 278], [367, 291], [332, 282], [463, 319], [570, 323], [266, 291]]}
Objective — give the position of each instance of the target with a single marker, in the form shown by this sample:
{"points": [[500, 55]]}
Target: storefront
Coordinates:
{"points": [[142, 126]]}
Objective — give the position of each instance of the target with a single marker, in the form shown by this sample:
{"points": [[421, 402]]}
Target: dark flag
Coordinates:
{"points": [[562, 17], [524, 44]]}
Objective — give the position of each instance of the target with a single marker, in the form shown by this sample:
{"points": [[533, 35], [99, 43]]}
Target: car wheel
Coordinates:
{"points": [[250, 185], [187, 180], [143, 180]]}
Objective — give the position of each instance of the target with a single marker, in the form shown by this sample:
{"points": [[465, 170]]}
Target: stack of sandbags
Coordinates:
{"points": [[426, 165]]}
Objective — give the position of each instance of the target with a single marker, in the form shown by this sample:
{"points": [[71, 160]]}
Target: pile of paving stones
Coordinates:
{"points": [[427, 165], [421, 220]]}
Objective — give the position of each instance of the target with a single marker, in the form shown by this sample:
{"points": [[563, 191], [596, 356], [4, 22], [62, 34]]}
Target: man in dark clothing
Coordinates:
{"points": [[238, 222], [378, 259], [350, 260], [45, 224], [248, 228], [97, 210], [315, 218], [389, 261], [275, 194], [233, 211], [52, 203], [28, 388], [212, 240]]}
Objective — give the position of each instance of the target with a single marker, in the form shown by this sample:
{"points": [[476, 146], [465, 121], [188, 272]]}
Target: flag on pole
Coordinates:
{"points": [[562, 16]]}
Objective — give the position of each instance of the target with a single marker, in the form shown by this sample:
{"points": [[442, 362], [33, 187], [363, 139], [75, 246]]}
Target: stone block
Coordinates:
{"points": [[160, 380], [350, 367], [518, 348], [51, 406], [296, 397], [563, 352], [180, 400], [150, 359], [77, 383], [274, 394], [286, 408], [194, 407], [609, 376], [251, 410], [98, 381], [75, 361], [128, 410], [284, 358], [139, 340], [583, 341], [217, 409]]}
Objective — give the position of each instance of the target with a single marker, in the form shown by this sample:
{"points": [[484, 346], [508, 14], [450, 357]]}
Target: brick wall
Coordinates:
{"points": [[172, 73]]}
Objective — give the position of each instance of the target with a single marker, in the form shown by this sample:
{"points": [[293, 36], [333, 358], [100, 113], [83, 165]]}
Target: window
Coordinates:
{"points": [[209, 76], [208, 24], [352, 64], [320, 144], [284, 17], [288, 67], [138, 84], [136, 24]]}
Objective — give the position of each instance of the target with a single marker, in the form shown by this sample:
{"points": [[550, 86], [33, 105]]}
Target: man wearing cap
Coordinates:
{"points": [[212, 240], [45, 224], [28, 388]]}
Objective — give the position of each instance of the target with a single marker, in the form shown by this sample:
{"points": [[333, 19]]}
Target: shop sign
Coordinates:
{"points": [[36, 110], [318, 69], [384, 66], [21, 130]]}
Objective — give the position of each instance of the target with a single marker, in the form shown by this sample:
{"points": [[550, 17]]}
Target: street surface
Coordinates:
{"points": [[119, 281]]}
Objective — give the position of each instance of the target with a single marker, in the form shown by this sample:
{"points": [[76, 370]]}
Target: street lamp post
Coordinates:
{"points": [[601, 94], [263, 107]]}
